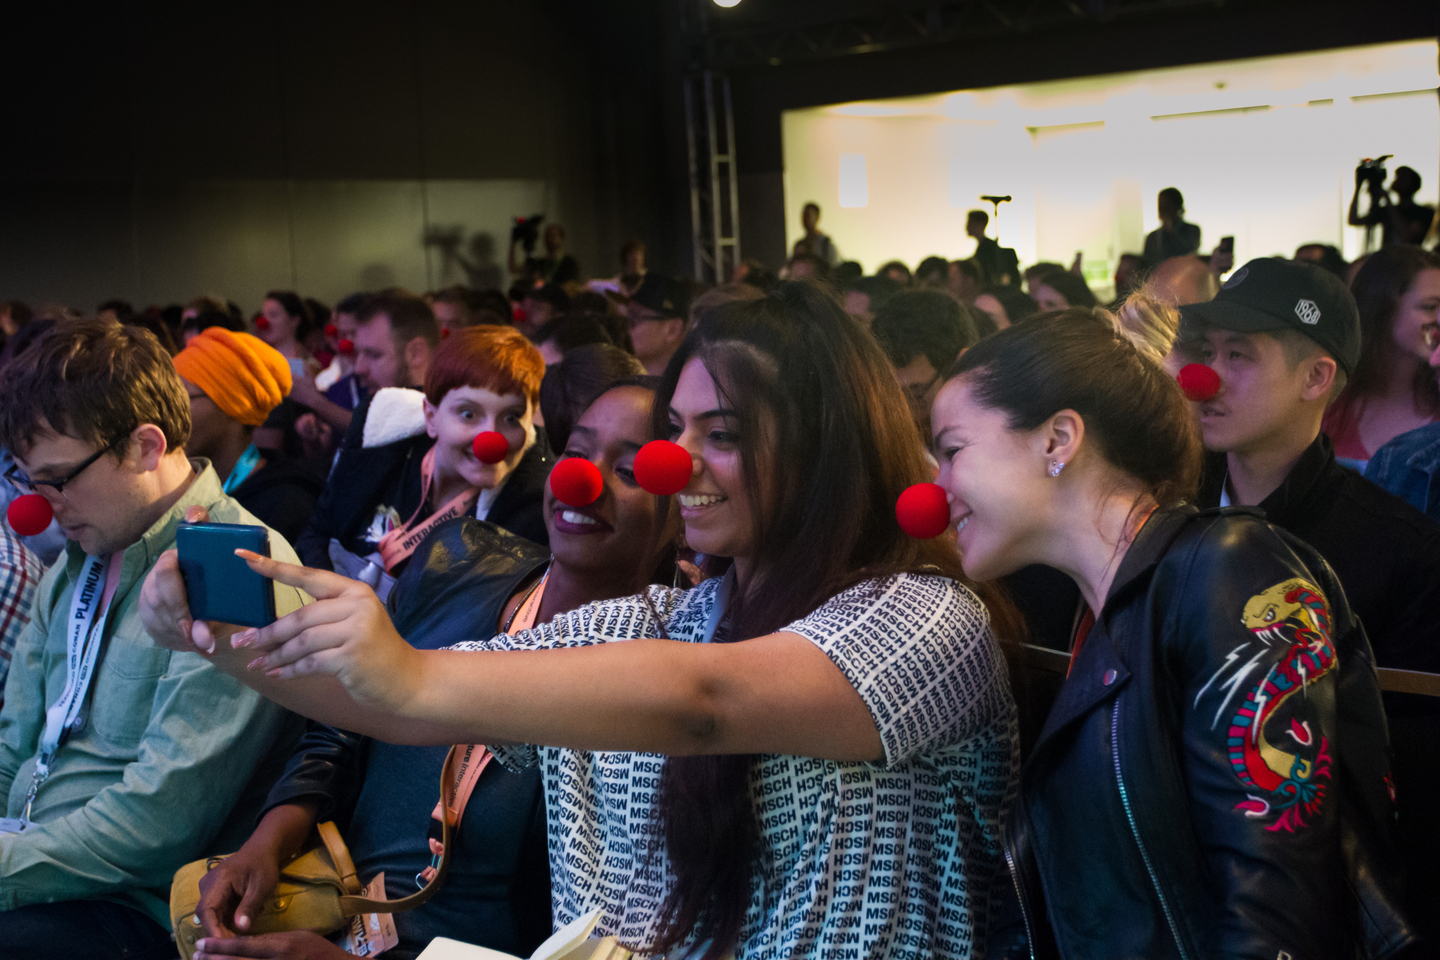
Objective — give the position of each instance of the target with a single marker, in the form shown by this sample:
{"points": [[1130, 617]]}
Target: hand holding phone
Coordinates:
{"points": [[221, 587]]}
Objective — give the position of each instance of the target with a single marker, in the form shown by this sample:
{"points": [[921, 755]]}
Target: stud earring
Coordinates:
{"points": [[1056, 466]]}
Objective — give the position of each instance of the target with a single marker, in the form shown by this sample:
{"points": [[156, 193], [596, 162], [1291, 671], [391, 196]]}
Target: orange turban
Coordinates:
{"points": [[244, 375]]}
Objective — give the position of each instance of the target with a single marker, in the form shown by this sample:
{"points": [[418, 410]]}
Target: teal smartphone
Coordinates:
{"points": [[221, 586]]}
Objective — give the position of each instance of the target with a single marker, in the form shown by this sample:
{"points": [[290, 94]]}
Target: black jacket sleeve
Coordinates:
{"points": [[328, 767], [1254, 658], [313, 545]]}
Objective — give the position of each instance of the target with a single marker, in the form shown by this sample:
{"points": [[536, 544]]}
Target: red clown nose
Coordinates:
{"points": [[663, 468], [30, 514], [331, 330], [576, 482], [490, 447], [922, 511], [1198, 382], [346, 346], [262, 322]]}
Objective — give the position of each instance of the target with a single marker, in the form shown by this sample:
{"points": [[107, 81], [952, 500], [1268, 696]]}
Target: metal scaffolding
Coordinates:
{"points": [[714, 193]]}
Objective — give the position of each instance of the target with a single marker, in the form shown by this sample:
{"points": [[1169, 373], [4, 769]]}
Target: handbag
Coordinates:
{"points": [[318, 890]]}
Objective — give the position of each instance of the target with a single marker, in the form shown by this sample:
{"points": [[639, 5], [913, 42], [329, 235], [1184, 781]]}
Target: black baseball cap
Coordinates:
{"points": [[664, 295], [1271, 293]]}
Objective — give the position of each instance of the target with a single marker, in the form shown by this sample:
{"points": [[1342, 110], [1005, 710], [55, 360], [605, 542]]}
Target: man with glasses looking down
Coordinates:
{"points": [[119, 761]]}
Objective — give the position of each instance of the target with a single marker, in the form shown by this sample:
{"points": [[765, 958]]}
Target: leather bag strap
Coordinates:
{"points": [[339, 855], [353, 905]]}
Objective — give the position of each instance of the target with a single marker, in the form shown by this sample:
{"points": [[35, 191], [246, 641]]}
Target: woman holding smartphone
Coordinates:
{"points": [[808, 752]]}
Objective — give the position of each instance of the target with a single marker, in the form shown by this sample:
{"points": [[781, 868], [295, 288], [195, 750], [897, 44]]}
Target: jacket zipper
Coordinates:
{"points": [[1135, 832], [1020, 896]]}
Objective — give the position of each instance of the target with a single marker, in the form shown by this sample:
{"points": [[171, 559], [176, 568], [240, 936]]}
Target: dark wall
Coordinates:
{"points": [[1198, 35], [150, 147]]}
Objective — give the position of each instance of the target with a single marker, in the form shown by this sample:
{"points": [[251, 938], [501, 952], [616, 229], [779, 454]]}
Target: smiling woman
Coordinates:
{"points": [[838, 688], [1195, 754], [408, 463]]}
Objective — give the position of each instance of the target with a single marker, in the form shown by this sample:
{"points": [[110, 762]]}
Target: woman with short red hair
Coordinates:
{"points": [[408, 465]]}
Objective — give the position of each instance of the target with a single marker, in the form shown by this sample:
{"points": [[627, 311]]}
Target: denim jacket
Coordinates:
{"points": [[1407, 466]]}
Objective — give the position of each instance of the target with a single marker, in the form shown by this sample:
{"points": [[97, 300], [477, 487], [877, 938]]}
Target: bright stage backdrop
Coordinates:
{"points": [[1263, 149]]}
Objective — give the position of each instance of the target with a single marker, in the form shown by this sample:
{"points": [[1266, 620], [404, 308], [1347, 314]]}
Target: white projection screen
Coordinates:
{"points": [[1263, 149]]}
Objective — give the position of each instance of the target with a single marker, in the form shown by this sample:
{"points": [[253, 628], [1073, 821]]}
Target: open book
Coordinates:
{"points": [[570, 942]]}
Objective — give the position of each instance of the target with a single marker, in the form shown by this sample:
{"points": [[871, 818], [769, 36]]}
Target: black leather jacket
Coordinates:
{"points": [[1213, 780], [454, 589]]}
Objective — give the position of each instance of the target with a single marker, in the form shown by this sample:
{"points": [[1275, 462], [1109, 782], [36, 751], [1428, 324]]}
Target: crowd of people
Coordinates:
{"points": [[821, 736]]}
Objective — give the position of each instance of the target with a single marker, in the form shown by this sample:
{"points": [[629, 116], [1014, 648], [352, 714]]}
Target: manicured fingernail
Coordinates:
{"points": [[273, 673], [185, 626], [256, 664], [244, 638]]}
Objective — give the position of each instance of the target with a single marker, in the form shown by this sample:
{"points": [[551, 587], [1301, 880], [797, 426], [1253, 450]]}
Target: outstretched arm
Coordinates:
{"points": [[340, 660]]}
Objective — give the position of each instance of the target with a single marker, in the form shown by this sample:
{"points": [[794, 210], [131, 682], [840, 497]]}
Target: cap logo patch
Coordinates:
{"points": [[1307, 312], [1236, 278]]}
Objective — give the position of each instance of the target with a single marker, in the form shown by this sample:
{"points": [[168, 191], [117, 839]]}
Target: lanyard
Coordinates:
{"points": [[397, 545], [242, 470], [86, 631], [717, 610], [473, 758]]}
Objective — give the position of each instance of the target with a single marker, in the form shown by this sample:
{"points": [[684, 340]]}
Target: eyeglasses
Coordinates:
{"points": [[58, 486]]}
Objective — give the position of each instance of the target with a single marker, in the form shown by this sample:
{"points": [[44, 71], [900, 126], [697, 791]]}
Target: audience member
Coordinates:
{"points": [[933, 272], [717, 297], [571, 385], [406, 466], [119, 311], [868, 294], [1392, 389], [803, 266], [657, 313], [632, 266], [197, 323], [395, 337], [1181, 281], [814, 243], [1150, 822], [1174, 237], [1006, 305], [1059, 289], [471, 580], [128, 759], [1407, 465], [456, 308], [923, 332], [1153, 326], [1323, 255], [873, 682], [847, 273], [20, 573], [539, 306], [1401, 220], [1283, 336], [896, 271], [234, 381], [285, 323], [964, 280], [1130, 272], [568, 331], [755, 274]]}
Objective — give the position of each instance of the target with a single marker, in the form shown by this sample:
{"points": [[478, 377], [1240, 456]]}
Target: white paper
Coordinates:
{"points": [[561, 942]]}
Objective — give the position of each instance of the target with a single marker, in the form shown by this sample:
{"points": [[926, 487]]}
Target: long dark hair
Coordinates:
{"points": [[1081, 360], [1378, 287], [802, 374]]}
